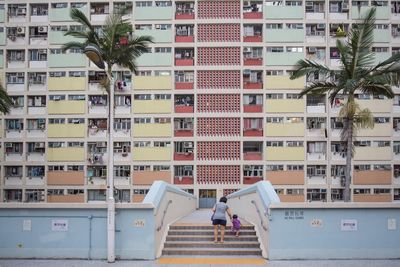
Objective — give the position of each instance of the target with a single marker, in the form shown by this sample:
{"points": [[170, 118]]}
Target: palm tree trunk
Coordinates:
{"points": [[347, 193]]}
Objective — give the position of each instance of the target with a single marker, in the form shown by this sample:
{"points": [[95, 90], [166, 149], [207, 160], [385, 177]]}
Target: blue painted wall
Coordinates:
{"points": [[86, 236], [294, 238]]}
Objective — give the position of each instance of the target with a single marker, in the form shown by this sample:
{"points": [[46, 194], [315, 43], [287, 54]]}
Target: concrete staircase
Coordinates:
{"points": [[193, 240]]}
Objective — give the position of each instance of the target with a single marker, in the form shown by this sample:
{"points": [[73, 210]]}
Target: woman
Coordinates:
{"points": [[219, 218]]}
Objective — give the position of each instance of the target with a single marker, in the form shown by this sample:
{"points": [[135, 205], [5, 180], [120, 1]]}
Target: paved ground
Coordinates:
{"points": [[85, 263]]}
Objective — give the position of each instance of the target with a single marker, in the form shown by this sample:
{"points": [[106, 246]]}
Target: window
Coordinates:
{"points": [[162, 26], [274, 96], [275, 49], [378, 191], [295, 26], [362, 191], [294, 49], [142, 97], [294, 143], [274, 143], [295, 192], [316, 170], [56, 144], [76, 97], [362, 167], [162, 144], [141, 167], [162, 96], [75, 167], [183, 171], [142, 144], [316, 194], [158, 168], [274, 72], [76, 120], [295, 167], [76, 74], [163, 3], [143, 4], [57, 121], [274, 168], [142, 120], [57, 74], [55, 168], [122, 171], [56, 97], [162, 50], [97, 195]]}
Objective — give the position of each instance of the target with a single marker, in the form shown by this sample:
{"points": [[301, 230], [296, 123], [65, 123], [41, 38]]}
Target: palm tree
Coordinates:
{"points": [[114, 40], [5, 101], [357, 73], [115, 45]]}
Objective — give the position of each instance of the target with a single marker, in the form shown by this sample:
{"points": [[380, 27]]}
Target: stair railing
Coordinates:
{"points": [[259, 215], [163, 217]]}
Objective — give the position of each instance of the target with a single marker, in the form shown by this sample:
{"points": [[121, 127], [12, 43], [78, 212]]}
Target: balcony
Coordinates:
{"points": [[372, 177], [61, 12], [152, 106], [382, 36], [291, 198], [284, 105], [184, 10], [284, 12], [66, 107], [253, 33], [97, 104], [373, 153], [252, 79], [376, 105], [155, 60], [284, 82], [284, 36], [252, 127], [148, 177], [70, 154], [253, 108], [372, 198], [65, 178], [284, 129], [152, 154], [152, 130], [285, 153], [252, 151], [159, 36], [286, 177], [67, 60], [183, 180], [36, 156], [154, 13], [67, 83], [184, 156], [79, 198], [382, 12], [39, 13], [69, 130], [99, 11], [97, 128], [14, 156], [57, 37], [283, 58], [380, 129], [184, 57], [253, 10], [153, 83]]}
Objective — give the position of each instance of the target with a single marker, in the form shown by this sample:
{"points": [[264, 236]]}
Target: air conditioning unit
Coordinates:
{"points": [[8, 145], [312, 50], [39, 145], [188, 144], [21, 30], [42, 29], [247, 50]]}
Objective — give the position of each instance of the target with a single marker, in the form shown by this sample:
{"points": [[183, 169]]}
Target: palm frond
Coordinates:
{"points": [[70, 45], [80, 17], [305, 66], [5, 101], [318, 88], [377, 89], [363, 119]]}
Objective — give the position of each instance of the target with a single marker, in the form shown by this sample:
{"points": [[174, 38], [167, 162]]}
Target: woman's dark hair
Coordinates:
{"points": [[234, 216], [223, 199]]}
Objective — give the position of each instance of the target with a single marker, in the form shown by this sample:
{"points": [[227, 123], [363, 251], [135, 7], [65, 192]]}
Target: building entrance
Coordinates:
{"points": [[207, 198]]}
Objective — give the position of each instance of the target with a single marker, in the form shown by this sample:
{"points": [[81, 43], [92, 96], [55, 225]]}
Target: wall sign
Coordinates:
{"points": [[392, 224], [59, 225], [294, 215], [317, 223], [139, 223], [348, 225], [27, 225]]}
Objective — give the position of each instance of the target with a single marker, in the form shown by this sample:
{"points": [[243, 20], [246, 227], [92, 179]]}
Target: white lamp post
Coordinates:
{"points": [[94, 55]]}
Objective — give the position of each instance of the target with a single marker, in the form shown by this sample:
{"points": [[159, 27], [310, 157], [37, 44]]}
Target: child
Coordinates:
{"points": [[235, 224]]}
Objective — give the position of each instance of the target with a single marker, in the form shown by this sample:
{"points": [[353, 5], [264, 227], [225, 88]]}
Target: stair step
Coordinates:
{"points": [[208, 232], [210, 244], [205, 227], [212, 251], [210, 238]]}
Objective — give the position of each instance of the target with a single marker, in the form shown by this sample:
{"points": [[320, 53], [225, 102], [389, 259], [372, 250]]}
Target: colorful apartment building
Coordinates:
{"points": [[211, 110]]}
